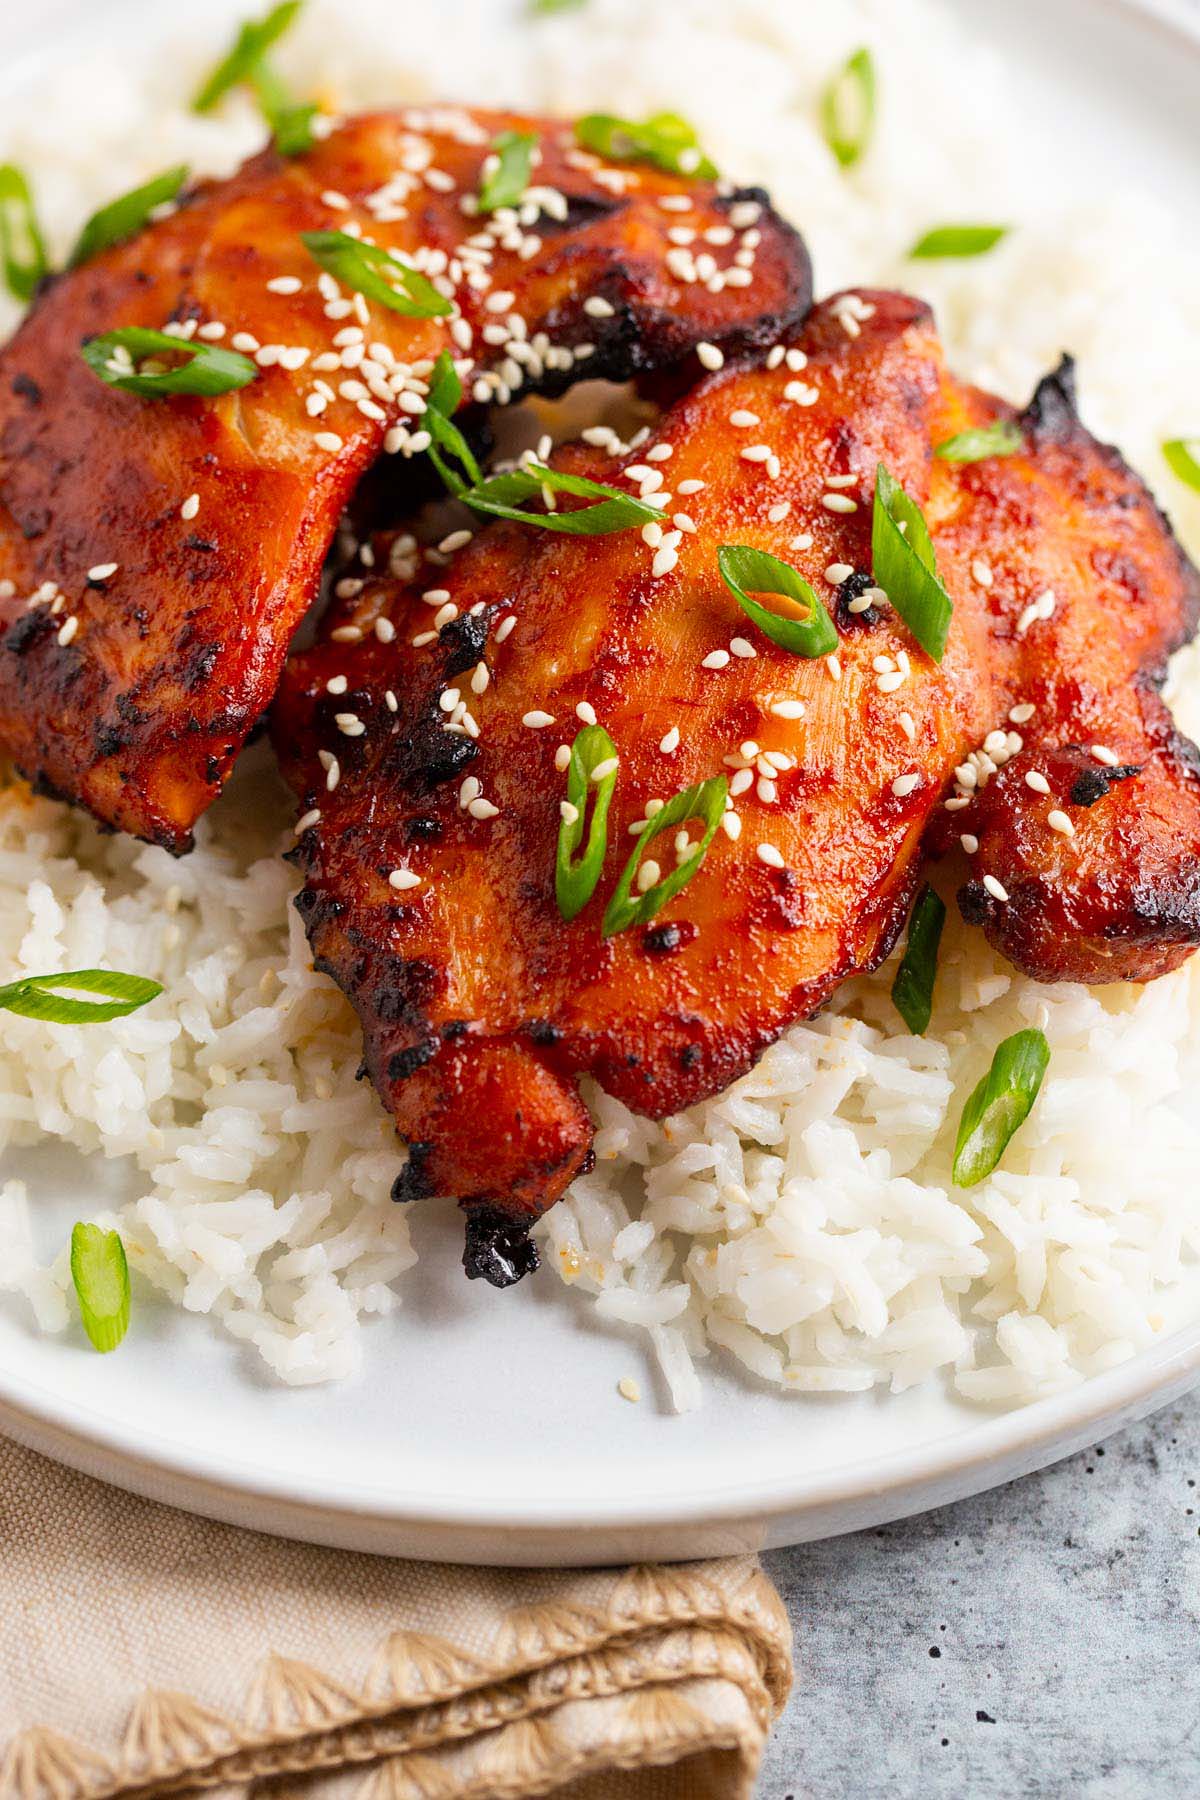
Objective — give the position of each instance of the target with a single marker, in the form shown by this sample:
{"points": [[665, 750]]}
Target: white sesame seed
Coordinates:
{"points": [[765, 789], [995, 888], [349, 724], [307, 820], [889, 682], [837, 572], [742, 419], [562, 757], [537, 720], [840, 481], [212, 331], [337, 684], [102, 571], [403, 879], [716, 659], [660, 453], [1020, 715], [981, 572], [670, 742], [483, 809], [839, 503], [767, 853], [691, 486], [1058, 821], [390, 701], [609, 766], [190, 507], [787, 709], [742, 647], [1103, 754], [504, 627], [834, 665], [648, 875], [1037, 781], [956, 802], [597, 307], [652, 534], [743, 779], [757, 453], [568, 813], [347, 634], [803, 541], [243, 341], [586, 711], [664, 560], [67, 630], [455, 541], [327, 440], [905, 785], [284, 284]]}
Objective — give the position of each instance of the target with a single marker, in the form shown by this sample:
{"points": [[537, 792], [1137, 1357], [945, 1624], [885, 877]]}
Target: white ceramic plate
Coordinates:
{"points": [[485, 1427]]}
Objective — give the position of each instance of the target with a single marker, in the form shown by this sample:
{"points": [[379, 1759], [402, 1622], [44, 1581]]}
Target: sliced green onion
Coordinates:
{"points": [[357, 265], [543, 8], [1001, 438], [290, 119], [958, 240], [905, 567], [513, 151], [501, 496], [443, 400], [912, 990], [575, 880], [250, 46], [745, 571], [666, 140], [206, 369], [705, 801], [35, 996], [999, 1105], [101, 1277], [848, 108], [22, 247], [124, 218], [1183, 459]]}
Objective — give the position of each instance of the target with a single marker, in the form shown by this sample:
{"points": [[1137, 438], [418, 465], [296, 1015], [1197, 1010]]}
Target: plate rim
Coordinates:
{"points": [[999, 1444]]}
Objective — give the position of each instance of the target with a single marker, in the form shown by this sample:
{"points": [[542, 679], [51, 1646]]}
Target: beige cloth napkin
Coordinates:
{"points": [[145, 1652]]}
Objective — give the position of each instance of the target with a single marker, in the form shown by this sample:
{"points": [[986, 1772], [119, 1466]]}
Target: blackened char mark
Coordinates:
{"points": [[498, 1249], [1053, 411]]}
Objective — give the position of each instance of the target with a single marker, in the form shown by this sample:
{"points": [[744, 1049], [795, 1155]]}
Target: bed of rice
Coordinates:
{"points": [[804, 1220]]}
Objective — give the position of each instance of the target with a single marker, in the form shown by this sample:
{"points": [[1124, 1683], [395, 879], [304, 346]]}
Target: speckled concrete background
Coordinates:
{"points": [[1042, 1639]]}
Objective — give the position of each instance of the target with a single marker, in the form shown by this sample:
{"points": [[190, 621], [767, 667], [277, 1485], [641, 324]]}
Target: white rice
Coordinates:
{"points": [[803, 1223]]}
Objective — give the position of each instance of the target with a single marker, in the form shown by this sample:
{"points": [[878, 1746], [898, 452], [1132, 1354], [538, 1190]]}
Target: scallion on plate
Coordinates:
{"points": [[912, 990], [999, 1105], [1001, 438], [746, 571], [124, 218], [240, 65], [156, 364], [503, 497], [575, 875], [22, 247], [905, 567], [100, 1274], [49, 996], [958, 240], [666, 140], [368, 269], [848, 108], [1183, 459], [706, 802], [507, 170]]}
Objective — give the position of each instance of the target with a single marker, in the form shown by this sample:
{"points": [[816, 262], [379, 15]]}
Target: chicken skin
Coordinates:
{"points": [[429, 755], [156, 554]]}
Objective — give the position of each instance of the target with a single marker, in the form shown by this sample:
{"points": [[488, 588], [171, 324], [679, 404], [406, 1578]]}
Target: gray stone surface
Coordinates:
{"points": [[1042, 1639]]}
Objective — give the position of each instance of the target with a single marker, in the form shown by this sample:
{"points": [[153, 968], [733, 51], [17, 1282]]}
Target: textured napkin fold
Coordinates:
{"points": [[144, 1652]]}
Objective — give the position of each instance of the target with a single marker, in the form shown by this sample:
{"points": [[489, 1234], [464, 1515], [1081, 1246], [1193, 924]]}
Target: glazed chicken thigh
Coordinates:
{"points": [[156, 554], [429, 755]]}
